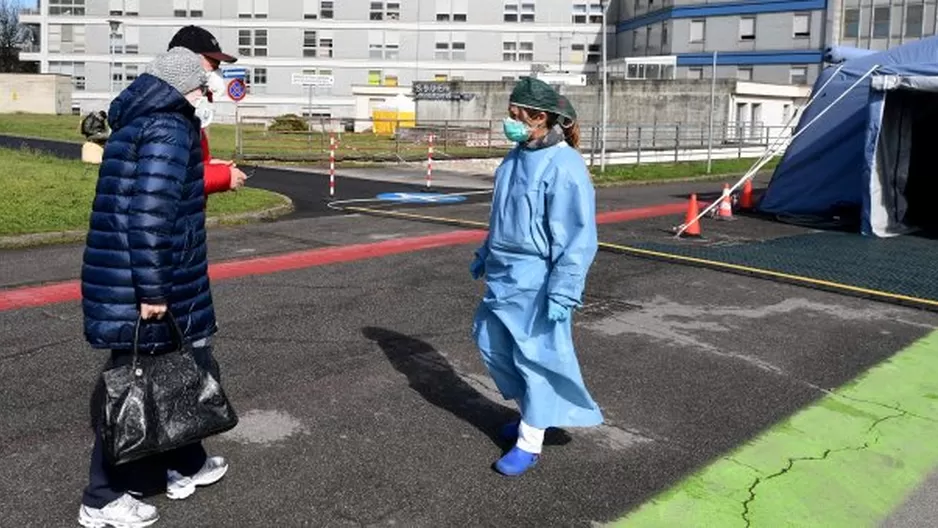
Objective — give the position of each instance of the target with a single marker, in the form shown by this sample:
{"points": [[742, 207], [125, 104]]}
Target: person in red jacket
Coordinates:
{"points": [[220, 175]]}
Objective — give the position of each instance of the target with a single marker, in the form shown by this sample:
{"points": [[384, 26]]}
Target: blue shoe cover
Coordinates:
{"points": [[516, 462]]}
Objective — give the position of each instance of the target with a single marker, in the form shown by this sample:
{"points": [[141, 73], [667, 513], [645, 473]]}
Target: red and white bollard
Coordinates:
{"points": [[429, 161], [331, 164]]}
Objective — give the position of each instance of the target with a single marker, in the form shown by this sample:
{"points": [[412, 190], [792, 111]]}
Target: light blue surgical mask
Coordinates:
{"points": [[516, 130]]}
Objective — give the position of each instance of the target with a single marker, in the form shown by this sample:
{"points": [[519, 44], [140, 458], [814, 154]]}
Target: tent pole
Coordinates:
{"points": [[766, 159]]}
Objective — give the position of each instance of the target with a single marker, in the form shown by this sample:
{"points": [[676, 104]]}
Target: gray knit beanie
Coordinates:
{"points": [[180, 68]]}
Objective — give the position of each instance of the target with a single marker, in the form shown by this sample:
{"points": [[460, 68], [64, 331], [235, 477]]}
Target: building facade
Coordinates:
{"points": [[367, 47], [767, 41]]}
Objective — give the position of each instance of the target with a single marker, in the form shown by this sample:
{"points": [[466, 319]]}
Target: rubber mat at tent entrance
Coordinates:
{"points": [[902, 269]]}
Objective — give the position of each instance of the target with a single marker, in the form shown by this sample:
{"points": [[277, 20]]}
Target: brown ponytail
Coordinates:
{"points": [[571, 134]]}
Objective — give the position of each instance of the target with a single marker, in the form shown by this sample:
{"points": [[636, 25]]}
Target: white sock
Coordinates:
{"points": [[530, 439]]}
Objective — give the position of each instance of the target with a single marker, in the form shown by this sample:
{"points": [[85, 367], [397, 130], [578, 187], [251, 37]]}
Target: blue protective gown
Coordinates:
{"points": [[541, 243]]}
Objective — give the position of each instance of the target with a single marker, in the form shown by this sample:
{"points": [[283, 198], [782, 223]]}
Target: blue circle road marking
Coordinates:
{"points": [[427, 198], [236, 89]]}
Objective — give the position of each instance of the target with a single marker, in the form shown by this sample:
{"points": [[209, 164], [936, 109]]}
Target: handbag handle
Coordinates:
{"points": [[175, 331]]}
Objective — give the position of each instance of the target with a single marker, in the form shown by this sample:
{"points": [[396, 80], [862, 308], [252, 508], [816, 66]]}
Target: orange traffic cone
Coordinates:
{"points": [[726, 204], [690, 219], [745, 200]]}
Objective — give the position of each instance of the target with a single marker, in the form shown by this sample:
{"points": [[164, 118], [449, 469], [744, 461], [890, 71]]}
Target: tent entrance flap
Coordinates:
{"points": [[903, 192]]}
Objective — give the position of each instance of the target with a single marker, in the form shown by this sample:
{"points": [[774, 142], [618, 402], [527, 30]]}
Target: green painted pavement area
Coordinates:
{"points": [[846, 461]]}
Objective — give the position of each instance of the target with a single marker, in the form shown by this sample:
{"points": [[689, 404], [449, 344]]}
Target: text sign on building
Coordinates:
{"points": [[308, 79], [439, 91]]}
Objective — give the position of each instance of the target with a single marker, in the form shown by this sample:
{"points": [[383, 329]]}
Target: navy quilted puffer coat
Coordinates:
{"points": [[146, 241]]}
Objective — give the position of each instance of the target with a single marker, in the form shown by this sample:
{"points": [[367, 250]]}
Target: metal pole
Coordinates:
{"points": [[602, 155], [713, 87]]}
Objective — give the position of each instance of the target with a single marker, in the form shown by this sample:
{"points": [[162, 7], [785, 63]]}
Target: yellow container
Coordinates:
{"points": [[387, 121]]}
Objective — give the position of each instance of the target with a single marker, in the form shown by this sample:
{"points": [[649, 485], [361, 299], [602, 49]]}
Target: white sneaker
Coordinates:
{"points": [[124, 512], [180, 487]]}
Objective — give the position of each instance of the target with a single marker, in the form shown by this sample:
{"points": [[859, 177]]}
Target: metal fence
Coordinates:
{"points": [[309, 140]]}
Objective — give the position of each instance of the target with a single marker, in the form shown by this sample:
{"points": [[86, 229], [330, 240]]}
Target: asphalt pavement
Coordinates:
{"points": [[363, 401]]}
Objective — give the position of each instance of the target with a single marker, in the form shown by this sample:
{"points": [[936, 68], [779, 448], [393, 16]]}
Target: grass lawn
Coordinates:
{"points": [[674, 171], [47, 194]]}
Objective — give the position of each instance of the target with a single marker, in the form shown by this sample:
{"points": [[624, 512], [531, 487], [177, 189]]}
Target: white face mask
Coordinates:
{"points": [[215, 83], [205, 111]]}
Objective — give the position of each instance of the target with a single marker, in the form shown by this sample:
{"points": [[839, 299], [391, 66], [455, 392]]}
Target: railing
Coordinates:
{"points": [[308, 140]]}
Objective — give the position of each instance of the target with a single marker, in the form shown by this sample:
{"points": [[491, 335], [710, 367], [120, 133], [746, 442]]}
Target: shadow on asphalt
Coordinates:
{"points": [[431, 375]]}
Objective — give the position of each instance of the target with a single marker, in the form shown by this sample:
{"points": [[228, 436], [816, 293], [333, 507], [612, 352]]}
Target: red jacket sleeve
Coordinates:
{"points": [[217, 176]]}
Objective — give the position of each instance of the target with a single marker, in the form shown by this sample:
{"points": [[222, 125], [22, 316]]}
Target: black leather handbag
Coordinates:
{"points": [[158, 403]]}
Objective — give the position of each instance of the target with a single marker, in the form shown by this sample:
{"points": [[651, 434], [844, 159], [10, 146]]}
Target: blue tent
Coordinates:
{"points": [[873, 150]]}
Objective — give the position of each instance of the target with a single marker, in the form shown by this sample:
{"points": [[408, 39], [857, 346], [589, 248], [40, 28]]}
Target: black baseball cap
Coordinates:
{"points": [[200, 41]]}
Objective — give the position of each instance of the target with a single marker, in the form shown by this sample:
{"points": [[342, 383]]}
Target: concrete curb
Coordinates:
{"points": [[66, 237]]}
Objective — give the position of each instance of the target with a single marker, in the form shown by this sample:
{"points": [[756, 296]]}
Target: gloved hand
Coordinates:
{"points": [[557, 312], [477, 267]]}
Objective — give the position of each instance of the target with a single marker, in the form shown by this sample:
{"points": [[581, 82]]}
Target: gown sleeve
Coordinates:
{"points": [[571, 221]]}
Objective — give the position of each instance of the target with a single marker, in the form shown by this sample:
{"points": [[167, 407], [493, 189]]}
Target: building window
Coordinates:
{"points": [[648, 40], [66, 38], [914, 17], [851, 23], [131, 40], [594, 53], [191, 8], [253, 8], [516, 50], [384, 45], [75, 69], [747, 28], [637, 6], [124, 7], [315, 9], [881, 22], [798, 75], [695, 73], [744, 73], [596, 13], [580, 13], [698, 29], [310, 44], [326, 44], [452, 10], [801, 26], [515, 11], [385, 11], [257, 80], [636, 41], [252, 43], [67, 7], [379, 78], [664, 34]]}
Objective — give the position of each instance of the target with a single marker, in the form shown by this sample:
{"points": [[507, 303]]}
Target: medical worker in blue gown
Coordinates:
{"points": [[541, 243]]}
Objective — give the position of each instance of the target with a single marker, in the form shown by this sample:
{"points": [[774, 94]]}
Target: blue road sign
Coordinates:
{"points": [[426, 198], [234, 73], [237, 90]]}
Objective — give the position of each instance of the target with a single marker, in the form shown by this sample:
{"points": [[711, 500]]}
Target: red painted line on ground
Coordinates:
{"points": [[33, 296], [639, 213], [321, 257]]}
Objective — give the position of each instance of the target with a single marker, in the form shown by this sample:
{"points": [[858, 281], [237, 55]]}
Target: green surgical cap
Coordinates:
{"points": [[538, 95]]}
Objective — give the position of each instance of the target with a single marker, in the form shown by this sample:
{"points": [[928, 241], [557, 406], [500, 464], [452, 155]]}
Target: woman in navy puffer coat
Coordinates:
{"points": [[146, 242], [145, 255]]}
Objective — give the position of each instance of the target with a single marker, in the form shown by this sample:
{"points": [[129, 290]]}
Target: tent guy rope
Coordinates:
{"points": [[770, 152]]}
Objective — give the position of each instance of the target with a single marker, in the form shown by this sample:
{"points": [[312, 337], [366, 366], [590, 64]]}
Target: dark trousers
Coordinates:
{"points": [[107, 482]]}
